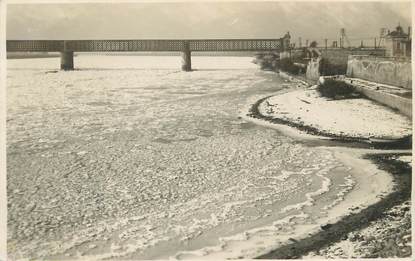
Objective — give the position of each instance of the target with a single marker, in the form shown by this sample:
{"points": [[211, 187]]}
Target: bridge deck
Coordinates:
{"points": [[144, 45]]}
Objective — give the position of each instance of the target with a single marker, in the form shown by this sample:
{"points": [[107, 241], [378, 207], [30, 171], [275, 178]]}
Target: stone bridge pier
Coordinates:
{"points": [[67, 60], [186, 57]]}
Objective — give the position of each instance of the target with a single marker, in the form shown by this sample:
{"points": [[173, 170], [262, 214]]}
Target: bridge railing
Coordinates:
{"points": [[143, 45], [34, 45], [236, 45], [124, 45]]}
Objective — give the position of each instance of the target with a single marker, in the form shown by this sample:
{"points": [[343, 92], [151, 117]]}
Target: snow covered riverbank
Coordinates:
{"points": [[387, 233], [381, 229], [359, 118]]}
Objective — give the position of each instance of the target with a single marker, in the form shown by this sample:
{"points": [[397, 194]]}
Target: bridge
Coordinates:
{"points": [[68, 47]]}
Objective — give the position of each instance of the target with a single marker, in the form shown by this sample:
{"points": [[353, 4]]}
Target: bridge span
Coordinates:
{"points": [[68, 47]]}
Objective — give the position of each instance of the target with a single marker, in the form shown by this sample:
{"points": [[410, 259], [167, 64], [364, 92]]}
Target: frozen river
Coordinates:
{"points": [[128, 157]]}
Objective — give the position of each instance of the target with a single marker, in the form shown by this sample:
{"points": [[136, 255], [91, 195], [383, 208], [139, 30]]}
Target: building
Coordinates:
{"points": [[398, 43], [286, 41]]}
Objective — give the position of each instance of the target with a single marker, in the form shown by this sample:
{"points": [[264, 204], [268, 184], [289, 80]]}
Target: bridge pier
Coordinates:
{"points": [[186, 57], [67, 60]]}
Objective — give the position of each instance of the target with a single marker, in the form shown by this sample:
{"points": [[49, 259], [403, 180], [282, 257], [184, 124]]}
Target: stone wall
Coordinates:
{"points": [[404, 105], [313, 69], [384, 70], [339, 56], [333, 61]]}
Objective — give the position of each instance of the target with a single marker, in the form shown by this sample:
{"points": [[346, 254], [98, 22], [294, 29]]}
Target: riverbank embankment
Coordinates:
{"points": [[378, 230]]}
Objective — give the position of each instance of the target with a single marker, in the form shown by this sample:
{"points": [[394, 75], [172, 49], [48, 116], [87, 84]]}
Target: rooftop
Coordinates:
{"points": [[398, 33]]}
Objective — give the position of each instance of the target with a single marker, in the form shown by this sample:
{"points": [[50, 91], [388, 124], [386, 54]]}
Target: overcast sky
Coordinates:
{"points": [[314, 21]]}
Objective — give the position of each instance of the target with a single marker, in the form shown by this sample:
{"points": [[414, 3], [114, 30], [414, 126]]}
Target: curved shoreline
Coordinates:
{"points": [[397, 144], [354, 221], [335, 232], [370, 192]]}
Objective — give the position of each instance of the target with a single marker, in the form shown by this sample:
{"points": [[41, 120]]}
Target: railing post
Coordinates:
{"points": [[66, 58], [186, 57]]}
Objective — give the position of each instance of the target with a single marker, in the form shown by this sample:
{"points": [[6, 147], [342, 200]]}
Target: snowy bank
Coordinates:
{"points": [[357, 118], [387, 234]]}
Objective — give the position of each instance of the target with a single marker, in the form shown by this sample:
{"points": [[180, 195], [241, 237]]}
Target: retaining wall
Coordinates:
{"points": [[333, 61], [385, 70], [404, 105], [313, 69], [339, 56]]}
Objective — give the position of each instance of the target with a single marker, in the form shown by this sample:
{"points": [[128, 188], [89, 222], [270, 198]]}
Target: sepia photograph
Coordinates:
{"points": [[206, 130]]}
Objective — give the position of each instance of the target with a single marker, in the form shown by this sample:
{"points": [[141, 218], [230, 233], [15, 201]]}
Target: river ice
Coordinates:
{"points": [[129, 157]]}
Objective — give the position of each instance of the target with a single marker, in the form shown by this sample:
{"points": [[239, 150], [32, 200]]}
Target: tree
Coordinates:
{"points": [[313, 44]]}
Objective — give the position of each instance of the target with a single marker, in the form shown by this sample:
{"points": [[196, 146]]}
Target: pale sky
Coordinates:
{"points": [[311, 20]]}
